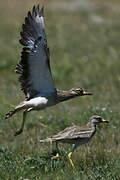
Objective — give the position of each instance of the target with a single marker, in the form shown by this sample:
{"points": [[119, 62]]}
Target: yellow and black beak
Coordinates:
{"points": [[105, 121], [86, 93]]}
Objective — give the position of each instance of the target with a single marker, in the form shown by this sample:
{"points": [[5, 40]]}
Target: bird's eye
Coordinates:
{"points": [[78, 90], [99, 119]]}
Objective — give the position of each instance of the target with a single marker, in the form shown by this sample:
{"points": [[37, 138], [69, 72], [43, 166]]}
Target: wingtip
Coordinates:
{"points": [[38, 7], [34, 11], [29, 15], [42, 11], [37, 10], [33, 8]]}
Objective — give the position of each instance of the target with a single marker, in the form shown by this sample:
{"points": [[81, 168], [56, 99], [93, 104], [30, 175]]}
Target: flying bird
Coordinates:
{"points": [[34, 69], [76, 135]]}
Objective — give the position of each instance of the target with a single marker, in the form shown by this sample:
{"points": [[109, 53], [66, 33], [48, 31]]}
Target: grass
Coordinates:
{"points": [[84, 45]]}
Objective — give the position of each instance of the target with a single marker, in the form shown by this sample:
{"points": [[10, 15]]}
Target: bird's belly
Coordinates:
{"points": [[38, 103], [79, 141]]}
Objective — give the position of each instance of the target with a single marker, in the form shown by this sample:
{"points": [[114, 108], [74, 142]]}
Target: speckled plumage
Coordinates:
{"points": [[76, 135]]}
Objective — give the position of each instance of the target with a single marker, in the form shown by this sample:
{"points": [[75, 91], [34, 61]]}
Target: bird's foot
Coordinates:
{"points": [[18, 132], [70, 160], [55, 157]]}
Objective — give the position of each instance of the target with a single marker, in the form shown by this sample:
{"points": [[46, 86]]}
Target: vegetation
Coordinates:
{"points": [[84, 41]]}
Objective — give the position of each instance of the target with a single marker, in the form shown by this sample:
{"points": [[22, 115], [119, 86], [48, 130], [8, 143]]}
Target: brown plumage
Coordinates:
{"points": [[34, 69], [76, 135]]}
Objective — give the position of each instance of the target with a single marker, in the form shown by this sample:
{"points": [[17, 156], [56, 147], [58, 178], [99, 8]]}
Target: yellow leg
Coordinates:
{"points": [[23, 122], [56, 156], [70, 160], [56, 151]]}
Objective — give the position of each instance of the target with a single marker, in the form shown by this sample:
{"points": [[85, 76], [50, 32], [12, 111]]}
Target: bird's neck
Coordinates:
{"points": [[64, 96], [92, 126]]}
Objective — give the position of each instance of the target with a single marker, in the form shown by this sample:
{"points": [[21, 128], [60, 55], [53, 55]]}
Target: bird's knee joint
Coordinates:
{"points": [[29, 109]]}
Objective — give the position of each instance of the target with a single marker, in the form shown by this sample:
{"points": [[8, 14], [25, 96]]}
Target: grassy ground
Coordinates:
{"points": [[84, 39]]}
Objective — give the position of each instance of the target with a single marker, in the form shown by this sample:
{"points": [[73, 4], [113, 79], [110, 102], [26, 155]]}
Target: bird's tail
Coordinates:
{"points": [[10, 113], [47, 140], [17, 108]]}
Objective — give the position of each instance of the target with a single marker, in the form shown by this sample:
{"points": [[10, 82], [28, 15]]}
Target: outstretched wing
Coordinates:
{"points": [[34, 66]]}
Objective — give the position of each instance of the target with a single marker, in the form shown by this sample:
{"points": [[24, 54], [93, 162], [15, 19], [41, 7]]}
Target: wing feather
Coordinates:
{"points": [[73, 132], [34, 66]]}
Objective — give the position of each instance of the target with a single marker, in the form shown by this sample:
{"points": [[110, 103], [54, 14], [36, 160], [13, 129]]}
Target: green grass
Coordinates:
{"points": [[84, 45]]}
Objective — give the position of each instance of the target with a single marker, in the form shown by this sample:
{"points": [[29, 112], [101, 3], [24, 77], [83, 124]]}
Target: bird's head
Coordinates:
{"points": [[72, 93], [79, 92], [97, 120]]}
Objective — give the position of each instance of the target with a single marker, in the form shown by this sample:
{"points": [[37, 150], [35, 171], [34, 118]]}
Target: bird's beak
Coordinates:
{"points": [[86, 93], [105, 121]]}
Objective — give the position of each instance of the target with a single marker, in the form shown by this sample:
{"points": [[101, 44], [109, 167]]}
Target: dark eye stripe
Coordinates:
{"points": [[99, 118]]}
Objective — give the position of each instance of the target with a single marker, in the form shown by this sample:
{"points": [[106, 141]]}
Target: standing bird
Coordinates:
{"points": [[76, 135], [34, 69]]}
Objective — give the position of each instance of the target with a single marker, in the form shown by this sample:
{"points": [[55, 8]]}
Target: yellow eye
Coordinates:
{"points": [[78, 90]]}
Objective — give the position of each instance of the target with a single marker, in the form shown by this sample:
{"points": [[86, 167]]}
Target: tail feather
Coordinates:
{"points": [[47, 140], [17, 108], [9, 114]]}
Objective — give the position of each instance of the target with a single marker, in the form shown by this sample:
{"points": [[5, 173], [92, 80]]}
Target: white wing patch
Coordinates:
{"points": [[40, 20]]}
